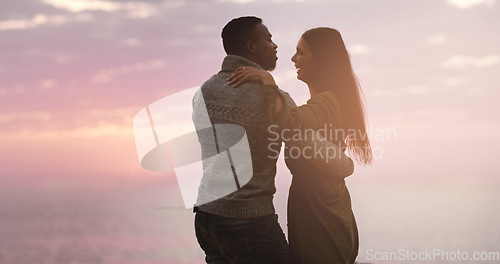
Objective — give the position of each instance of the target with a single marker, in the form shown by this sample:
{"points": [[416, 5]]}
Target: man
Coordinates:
{"points": [[240, 227]]}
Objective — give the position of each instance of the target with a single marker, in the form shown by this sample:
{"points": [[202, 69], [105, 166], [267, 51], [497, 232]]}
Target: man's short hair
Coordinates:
{"points": [[237, 32]]}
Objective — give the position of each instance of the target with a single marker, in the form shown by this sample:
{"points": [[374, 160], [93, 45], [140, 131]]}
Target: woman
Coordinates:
{"points": [[321, 225]]}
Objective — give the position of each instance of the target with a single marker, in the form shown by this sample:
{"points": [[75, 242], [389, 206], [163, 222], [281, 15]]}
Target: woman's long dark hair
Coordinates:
{"points": [[333, 73]]}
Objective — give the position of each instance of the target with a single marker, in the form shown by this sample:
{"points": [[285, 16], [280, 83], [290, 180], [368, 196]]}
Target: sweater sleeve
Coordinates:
{"points": [[320, 109]]}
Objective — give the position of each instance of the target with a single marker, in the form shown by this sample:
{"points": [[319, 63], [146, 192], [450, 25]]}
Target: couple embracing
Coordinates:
{"points": [[242, 227]]}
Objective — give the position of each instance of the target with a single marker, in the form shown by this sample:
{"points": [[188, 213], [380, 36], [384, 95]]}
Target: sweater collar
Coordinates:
{"points": [[232, 62]]}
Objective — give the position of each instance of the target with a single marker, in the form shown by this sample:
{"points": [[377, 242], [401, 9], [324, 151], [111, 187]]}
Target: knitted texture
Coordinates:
{"points": [[241, 106]]}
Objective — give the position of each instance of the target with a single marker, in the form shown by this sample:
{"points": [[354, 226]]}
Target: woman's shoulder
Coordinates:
{"points": [[326, 99], [329, 103], [324, 96]]}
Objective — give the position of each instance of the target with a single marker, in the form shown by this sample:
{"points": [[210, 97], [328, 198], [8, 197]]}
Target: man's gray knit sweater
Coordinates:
{"points": [[239, 106]]}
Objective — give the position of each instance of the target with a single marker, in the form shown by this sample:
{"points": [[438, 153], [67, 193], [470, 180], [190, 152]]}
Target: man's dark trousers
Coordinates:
{"points": [[257, 240]]}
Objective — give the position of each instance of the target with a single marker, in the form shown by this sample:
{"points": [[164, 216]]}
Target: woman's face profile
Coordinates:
{"points": [[303, 59]]}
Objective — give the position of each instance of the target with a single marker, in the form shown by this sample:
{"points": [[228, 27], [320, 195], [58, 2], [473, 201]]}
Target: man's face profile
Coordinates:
{"points": [[265, 48]]}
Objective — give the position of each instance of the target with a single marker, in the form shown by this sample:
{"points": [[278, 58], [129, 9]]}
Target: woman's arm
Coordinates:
{"points": [[319, 110], [249, 74]]}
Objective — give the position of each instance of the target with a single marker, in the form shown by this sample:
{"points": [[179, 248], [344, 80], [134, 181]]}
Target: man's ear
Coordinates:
{"points": [[250, 47]]}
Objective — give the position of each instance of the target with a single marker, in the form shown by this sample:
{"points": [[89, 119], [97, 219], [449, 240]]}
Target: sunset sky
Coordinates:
{"points": [[73, 73]]}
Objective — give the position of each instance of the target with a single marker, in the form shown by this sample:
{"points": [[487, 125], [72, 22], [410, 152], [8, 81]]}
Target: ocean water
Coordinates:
{"points": [[131, 220], [108, 220]]}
